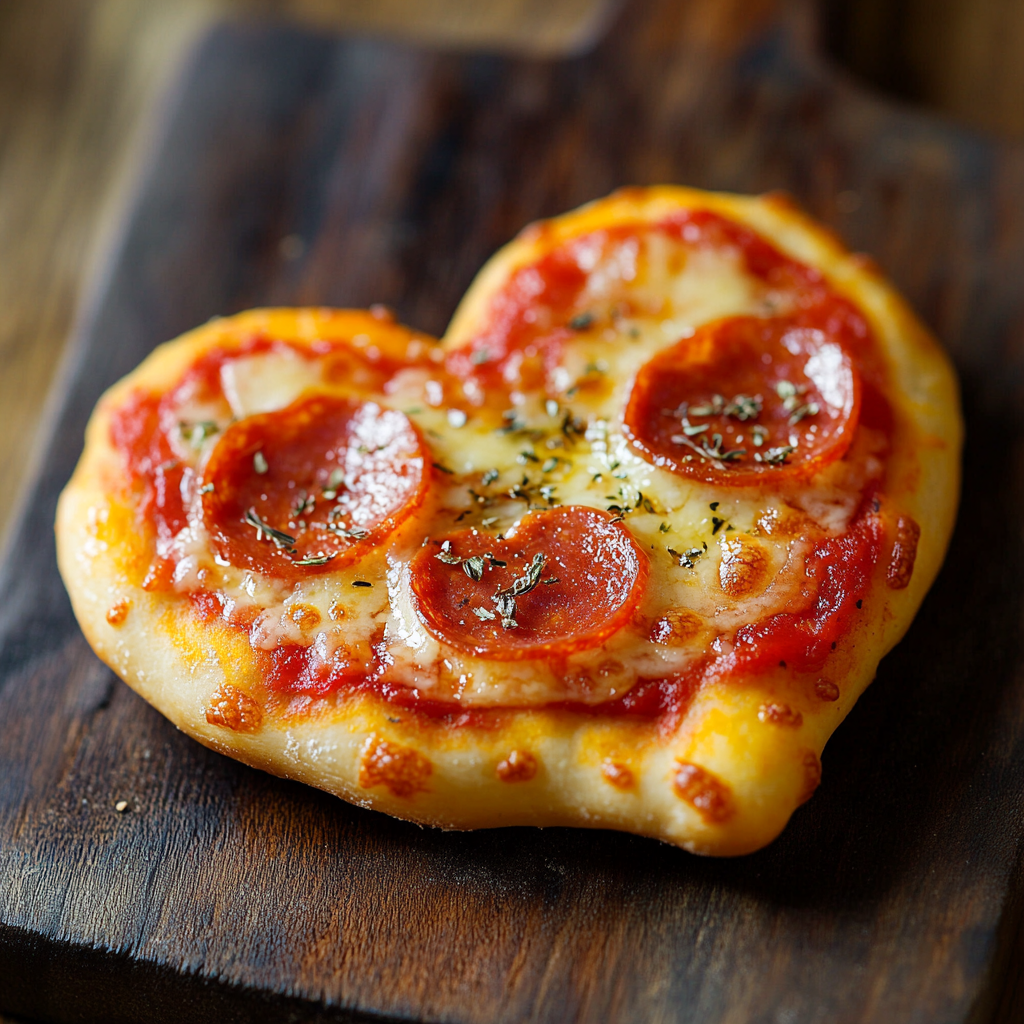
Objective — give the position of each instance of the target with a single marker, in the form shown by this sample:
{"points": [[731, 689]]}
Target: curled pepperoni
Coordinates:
{"points": [[746, 401], [312, 486], [565, 580]]}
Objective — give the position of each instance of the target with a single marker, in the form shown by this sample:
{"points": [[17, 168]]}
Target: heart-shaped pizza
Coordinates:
{"points": [[620, 551]]}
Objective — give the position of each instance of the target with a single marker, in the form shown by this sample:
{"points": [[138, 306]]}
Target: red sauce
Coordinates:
{"points": [[842, 567], [207, 605], [157, 475], [528, 326], [667, 697], [291, 668]]}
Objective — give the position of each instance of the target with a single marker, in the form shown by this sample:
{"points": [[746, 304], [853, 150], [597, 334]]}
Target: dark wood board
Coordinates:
{"points": [[225, 894]]}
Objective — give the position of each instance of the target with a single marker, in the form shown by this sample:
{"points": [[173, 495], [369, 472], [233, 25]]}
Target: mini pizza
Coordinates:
{"points": [[620, 551]]}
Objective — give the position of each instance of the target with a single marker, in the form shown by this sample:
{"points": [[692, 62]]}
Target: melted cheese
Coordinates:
{"points": [[716, 562]]}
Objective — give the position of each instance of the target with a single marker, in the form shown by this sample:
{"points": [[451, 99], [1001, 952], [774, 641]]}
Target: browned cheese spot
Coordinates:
{"points": [[709, 796], [118, 611], [402, 769], [234, 709], [618, 775], [581, 679], [744, 567], [305, 616], [904, 551], [767, 522], [826, 690], [812, 775], [594, 385], [789, 523], [780, 714], [676, 627], [342, 368], [519, 766]]}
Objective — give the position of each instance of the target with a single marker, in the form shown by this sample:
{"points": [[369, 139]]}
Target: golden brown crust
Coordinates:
{"points": [[728, 776]]}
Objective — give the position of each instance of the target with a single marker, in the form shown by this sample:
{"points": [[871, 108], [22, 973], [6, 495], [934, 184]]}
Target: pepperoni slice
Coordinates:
{"points": [[565, 580], [312, 486], [746, 401]]}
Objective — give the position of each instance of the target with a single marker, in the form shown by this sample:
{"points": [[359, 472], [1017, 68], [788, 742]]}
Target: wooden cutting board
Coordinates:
{"points": [[296, 168]]}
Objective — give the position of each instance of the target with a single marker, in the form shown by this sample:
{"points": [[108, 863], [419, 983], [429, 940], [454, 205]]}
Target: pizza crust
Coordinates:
{"points": [[724, 781]]}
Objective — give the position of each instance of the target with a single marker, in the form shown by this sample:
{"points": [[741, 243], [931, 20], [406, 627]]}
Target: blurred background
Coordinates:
{"points": [[82, 82]]}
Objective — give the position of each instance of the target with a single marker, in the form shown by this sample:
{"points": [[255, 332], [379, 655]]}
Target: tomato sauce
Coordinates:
{"points": [[842, 568], [156, 474]]}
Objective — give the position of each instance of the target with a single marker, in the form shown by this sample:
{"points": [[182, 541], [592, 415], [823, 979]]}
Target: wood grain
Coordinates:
{"points": [[962, 57], [225, 894]]}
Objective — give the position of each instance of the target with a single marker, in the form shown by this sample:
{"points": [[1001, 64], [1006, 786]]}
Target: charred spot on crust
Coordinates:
{"points": [[825, 689], [812, 775], [118, 611], [519, 766], [705, 793], [402, 769], [780, 714], [232, 708], [904, 553], [618, 775]]}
